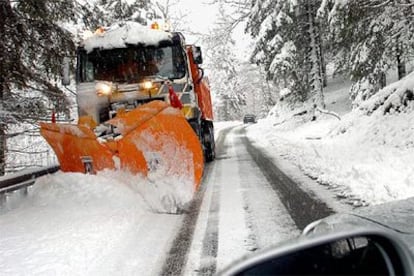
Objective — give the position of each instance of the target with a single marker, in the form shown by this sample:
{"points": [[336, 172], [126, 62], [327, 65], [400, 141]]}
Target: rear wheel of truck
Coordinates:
{"points": [[205, 132], [208, 142]]}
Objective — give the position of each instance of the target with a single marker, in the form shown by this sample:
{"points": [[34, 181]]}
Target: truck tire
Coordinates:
{"points": [[205, 132], [197, 128], [208, 142]]}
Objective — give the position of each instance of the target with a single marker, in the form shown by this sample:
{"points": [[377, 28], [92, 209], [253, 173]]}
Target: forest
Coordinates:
{"points": [[296, 46]]}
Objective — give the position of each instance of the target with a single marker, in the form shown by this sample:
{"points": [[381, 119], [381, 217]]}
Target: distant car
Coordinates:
{"points": [[249, 118], [377, 240]]}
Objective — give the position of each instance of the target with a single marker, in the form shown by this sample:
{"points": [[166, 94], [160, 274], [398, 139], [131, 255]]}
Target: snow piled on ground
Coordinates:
{"points": [[64, 221], [367, 156], [77, 224]]}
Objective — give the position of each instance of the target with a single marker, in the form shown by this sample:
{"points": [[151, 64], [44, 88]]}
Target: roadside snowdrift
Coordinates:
{"points": [[367, 157], [77, 224]]}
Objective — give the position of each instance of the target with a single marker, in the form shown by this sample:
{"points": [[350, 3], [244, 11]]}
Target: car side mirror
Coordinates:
{"points": [[359, 253], [66, 71], [198, 57]]}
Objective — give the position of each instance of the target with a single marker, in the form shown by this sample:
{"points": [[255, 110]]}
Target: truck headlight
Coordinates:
{"points": [[103, 89], [147, 85]]}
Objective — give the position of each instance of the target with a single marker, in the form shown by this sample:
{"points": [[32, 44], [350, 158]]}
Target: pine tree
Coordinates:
{"points": [[32, 49], [113, 11], [289, 47], [314, 57], [370, 37], [271, 23], [227, 83], [260, 94]]}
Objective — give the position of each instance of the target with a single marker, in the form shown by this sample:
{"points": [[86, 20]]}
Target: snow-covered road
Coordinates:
{"points": [[240, 211], [106, 224]]}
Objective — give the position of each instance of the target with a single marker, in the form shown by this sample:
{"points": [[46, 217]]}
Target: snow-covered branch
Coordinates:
{"points": [[328, 113]]}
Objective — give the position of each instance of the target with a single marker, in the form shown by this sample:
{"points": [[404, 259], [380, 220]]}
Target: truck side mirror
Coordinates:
{"points": [[66, 71], [198, 57]]}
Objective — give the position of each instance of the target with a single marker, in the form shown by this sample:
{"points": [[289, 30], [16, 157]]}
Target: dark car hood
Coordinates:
{"points": [[397, 217]]}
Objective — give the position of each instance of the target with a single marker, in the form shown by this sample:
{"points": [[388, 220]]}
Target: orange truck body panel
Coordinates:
{"points": [[154, 137], [201, 88], [71, 142]]}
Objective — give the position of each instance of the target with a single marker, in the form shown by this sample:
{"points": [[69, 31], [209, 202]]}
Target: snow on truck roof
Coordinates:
{"points": [[119, 36]]}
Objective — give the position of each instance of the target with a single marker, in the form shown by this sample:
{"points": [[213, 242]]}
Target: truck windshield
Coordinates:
{"points": [[133, 64]]}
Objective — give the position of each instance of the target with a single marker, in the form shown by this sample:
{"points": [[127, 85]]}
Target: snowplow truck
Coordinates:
{"points": [[144, 106]]}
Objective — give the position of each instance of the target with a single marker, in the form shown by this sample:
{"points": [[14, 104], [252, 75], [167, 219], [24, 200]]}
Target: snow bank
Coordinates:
{"points": [[285, 112], [394, 98], [76, 224], [367, 157], [119, 36], [66, 220]]}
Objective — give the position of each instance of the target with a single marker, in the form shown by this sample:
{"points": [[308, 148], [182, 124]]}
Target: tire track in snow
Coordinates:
{"points": [[267, 219], [178, 254], [302, 207], [251, 214], [210, 240]]}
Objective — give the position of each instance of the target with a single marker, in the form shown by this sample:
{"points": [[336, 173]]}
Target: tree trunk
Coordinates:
{"points": [[2, 123], [401, 69], [315, 57], [266, 88], [323, 63], [400, 63], [383, 80], [2, 150], [4, 8]]}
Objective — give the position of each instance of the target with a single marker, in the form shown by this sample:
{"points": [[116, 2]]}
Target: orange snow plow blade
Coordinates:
{"points": [[154, 138]]}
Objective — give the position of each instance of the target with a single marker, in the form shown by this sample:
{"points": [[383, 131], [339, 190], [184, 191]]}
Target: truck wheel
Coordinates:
{"points": [[205, 132], [209, 144], [196, 127]]}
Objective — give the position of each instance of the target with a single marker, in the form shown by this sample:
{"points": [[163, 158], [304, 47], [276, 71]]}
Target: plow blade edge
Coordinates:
{"points": [[154, 138]]}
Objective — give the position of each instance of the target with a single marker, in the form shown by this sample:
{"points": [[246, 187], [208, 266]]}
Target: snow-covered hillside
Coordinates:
{"points": [[366, 156]]}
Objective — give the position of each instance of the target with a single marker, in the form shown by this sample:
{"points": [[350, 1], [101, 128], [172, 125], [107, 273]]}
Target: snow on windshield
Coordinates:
{"points": [[119, 36]]}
